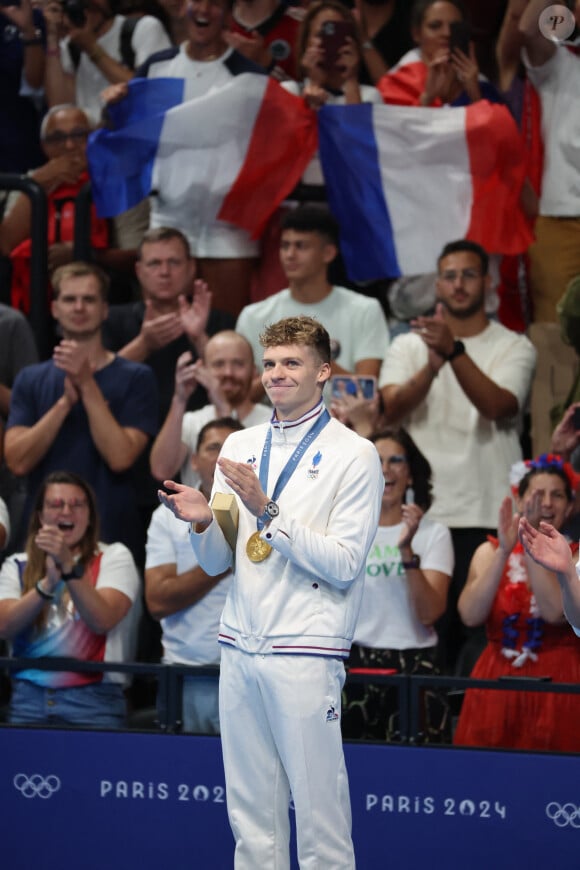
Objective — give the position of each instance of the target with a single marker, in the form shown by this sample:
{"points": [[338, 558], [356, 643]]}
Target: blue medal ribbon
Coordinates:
{"points": [[292, 463]]}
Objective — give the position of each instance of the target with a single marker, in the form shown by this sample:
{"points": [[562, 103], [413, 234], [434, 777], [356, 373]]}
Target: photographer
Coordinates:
{"points": [[89, 47]]}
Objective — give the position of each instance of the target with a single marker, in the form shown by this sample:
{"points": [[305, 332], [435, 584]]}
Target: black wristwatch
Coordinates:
{"points": [[414, 562], [270, 511], [76, 573], [458, 349]]}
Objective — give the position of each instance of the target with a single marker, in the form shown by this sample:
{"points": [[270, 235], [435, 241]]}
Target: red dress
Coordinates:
{"points": [[522, 644]]}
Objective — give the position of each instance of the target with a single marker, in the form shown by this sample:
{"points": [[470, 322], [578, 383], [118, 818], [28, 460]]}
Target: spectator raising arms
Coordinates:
{"points": [[330, 69], [226, 255], [521, 604], [437, 72], [99, 49], [68, 595]]}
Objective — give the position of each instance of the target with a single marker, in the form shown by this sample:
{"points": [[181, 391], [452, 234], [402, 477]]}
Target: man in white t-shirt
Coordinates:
{"points": [[458, 383], [103, 50], [554, 70], [356, 323], [186, 600], [226, 372]]}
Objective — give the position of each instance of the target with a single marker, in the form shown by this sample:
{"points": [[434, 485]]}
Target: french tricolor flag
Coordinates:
{"points": [[403, 180], [231, 155]]}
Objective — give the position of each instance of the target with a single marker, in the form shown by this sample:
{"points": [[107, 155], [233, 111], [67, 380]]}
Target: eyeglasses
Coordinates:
{"points": [[396, 459], [59, 137], [58, 504], [451, 275]]}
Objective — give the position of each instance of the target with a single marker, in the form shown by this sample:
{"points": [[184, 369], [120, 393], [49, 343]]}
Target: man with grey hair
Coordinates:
{"points": [[64, 133]]}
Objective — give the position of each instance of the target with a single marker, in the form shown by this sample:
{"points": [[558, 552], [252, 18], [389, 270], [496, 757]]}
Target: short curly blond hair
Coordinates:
{"points": [[305, 331]]}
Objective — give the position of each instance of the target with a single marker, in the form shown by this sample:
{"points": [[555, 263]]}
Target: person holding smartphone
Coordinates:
{"points": [[442, 70], [407, 575], [527, 633], [329, 54]]}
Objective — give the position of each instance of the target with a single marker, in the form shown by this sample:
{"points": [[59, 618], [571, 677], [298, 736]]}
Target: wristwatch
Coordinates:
{"points": [[414, 562], [77, 571], [458, 349], [270, 511]]}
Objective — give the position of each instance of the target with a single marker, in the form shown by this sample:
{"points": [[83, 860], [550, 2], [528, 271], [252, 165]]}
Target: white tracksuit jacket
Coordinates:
{"points": [[305, 597]]}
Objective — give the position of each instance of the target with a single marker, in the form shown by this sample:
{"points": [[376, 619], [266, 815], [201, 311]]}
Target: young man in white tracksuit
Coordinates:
{"points": [[309, 493]]}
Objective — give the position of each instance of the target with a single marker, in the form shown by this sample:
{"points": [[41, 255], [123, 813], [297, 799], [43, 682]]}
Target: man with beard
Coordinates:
{"points": [[227, 372], [85, 410], [458, 383]]}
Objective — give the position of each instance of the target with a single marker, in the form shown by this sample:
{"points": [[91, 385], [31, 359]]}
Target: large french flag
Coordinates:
{"points": [[232, 155], [403, 180]]}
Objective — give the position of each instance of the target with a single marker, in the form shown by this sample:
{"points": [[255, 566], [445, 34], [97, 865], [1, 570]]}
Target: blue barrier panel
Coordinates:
{"points": [[120, 801]]}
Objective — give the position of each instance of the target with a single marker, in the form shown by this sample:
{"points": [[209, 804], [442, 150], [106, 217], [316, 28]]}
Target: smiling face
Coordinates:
{"points": [[66, 506], [206, 20], [230, 359], [555, 506], [293, 379], [433, 34], [395, 471]]}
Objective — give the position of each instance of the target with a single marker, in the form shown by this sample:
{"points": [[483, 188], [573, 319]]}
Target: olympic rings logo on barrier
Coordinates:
{"points": [[563, 815], [36, 785]]}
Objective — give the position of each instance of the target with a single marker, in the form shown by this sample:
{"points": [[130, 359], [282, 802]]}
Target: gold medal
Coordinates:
{"points": [[257, 549]]}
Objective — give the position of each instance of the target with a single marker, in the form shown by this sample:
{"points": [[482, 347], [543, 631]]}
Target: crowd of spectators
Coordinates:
{"points": [[156, 339]]}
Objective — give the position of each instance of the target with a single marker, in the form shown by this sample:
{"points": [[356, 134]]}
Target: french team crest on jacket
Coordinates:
{"points": [[331, 714], [313, 470], [251, 460]]}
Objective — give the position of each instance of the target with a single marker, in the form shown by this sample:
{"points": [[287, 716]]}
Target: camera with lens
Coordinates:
{"points": [[75, 11]]}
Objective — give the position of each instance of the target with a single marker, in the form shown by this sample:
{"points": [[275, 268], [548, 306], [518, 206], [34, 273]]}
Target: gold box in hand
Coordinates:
{"points": [[225, 509]]}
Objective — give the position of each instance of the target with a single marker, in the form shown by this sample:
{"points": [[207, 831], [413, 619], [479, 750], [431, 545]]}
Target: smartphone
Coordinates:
{"points": [[576, 418], [460, 36], [352, 385], [334, 35]]}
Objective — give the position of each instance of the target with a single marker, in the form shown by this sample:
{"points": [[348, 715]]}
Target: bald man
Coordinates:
{"points": [[226, 371]]}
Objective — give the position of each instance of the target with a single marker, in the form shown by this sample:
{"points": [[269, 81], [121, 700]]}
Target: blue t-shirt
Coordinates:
{"points": [[131, 394]]}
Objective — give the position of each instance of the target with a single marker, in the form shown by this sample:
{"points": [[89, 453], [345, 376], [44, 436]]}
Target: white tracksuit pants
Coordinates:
{"points": [[280, 731]]}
